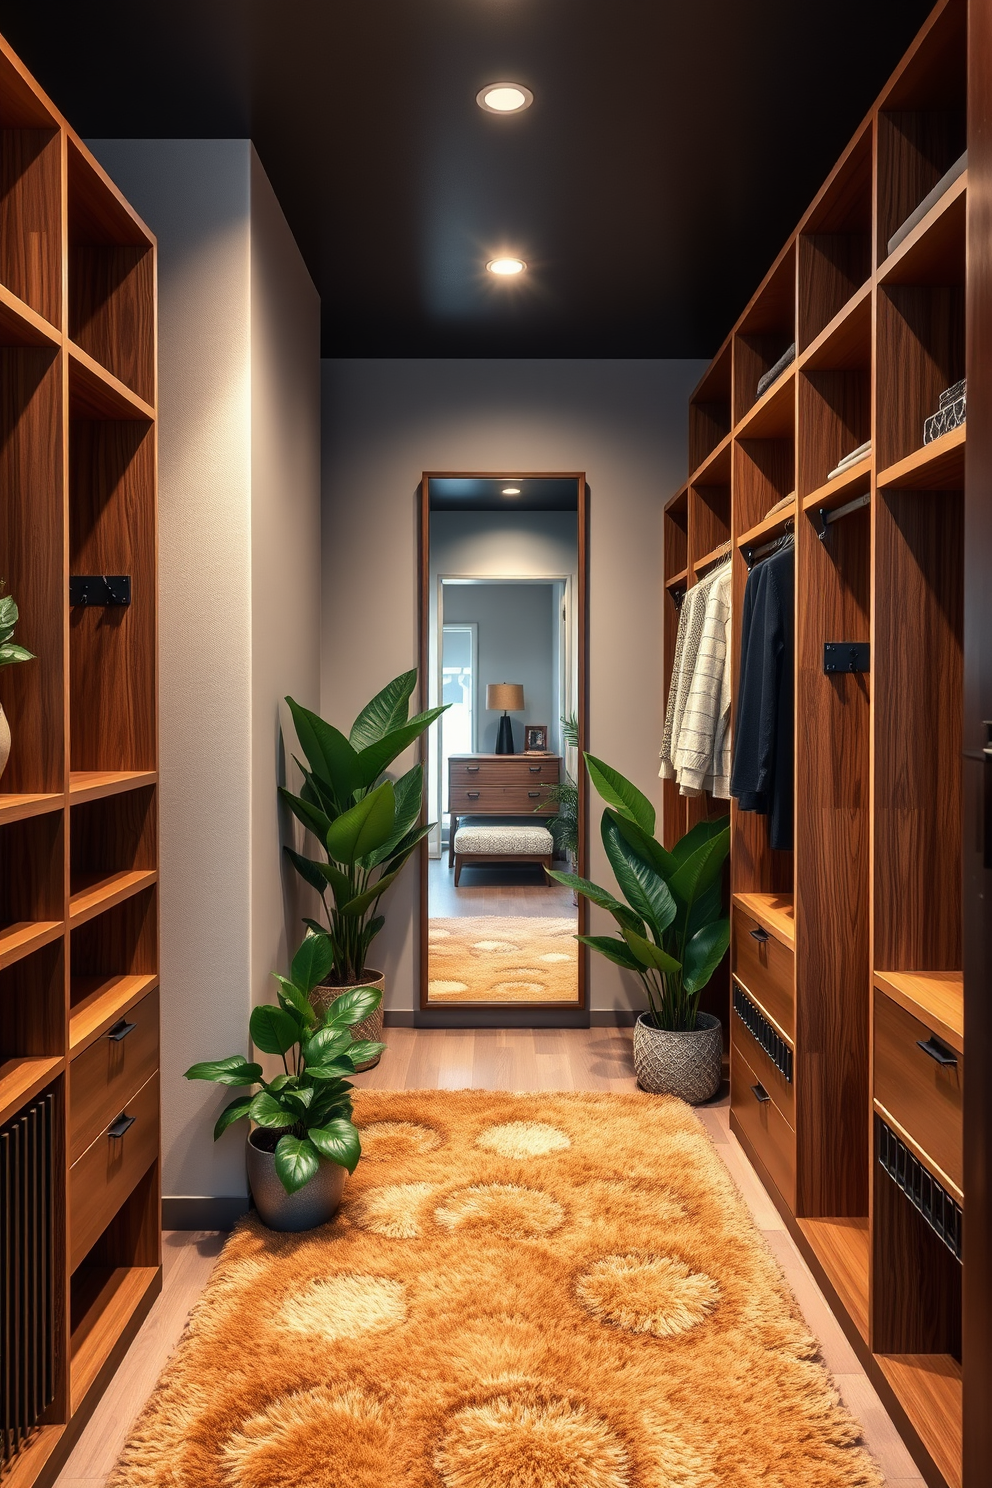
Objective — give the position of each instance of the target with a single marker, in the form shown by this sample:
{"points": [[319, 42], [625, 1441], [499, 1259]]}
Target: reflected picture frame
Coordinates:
{"points": [[535, 738]]}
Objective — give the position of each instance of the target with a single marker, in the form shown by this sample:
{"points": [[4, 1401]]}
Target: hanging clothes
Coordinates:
{"points": [[695, 745], [761, 778]]}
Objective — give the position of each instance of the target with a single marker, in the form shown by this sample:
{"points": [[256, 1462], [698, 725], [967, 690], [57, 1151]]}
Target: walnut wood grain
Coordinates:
{"points": [[108, 1171], [935, 997], [22, 1078], [930, 1388], [767, 971], [108, 1073], [842, 1248], [30, 218], [937, 466], [764, 1124], [925, 1097], [97, 1003], [834, 419], [32, 1016]]}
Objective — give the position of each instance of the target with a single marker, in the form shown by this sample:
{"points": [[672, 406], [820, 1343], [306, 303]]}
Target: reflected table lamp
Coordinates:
{"points": [[510, 697]]}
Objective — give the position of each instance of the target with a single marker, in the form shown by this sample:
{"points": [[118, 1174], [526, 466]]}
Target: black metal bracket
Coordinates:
{"points": [[846, 656], [100, 589]]}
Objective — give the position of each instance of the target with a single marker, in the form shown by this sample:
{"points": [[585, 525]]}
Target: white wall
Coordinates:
{"points": [[384, 423], [515, 634], [238, 599]]}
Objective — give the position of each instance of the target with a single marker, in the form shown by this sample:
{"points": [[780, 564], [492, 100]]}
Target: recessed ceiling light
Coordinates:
{"points": [[504, 98], [511, 490], [506, 266]]}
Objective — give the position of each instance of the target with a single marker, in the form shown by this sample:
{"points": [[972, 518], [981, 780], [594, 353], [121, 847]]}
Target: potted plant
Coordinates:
{"points": [[10, 653], [367, 826], [673, 934], [564, 825], [303, 1140]]}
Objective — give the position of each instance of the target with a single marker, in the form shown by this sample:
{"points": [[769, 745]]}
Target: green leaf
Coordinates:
{"points": [[352, 1007], [388, 710], [235, 1070], [617, 791], [317, 792], [362, 902], [314, 820], [409, 793], [602, 897], [699, 870], [234, 1112], [308, 869], [296, 1162], [333, 760], [697, 835], [333, 1070], [402, 850], [298, 1100], [9, 653], [365, 827], [339, 1141], [643, 889], [613, 950], [704, 953], [651, 955], [325, 1044], [268, 1110], [362, 1050], [295, 1002], [664, 863], [8, 612], [272, 1029], [375, 757], [312, 962]]}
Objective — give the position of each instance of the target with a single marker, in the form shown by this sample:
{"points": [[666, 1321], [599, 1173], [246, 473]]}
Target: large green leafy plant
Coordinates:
{"points": [[673, 930], [10, 652], [308, 1104], [367, 826]]}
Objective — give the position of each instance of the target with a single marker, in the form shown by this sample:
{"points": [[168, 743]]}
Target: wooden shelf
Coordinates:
{"points": [[715, 469], [774, 414], [722, 550], [933, 253], [842, 1247], [845, 342], [21, 1079], [768, 526], [95, 393], [94, 893], [105, 1300], [17, 941], [18, 807], [94, 785], [97, 1003], [842, 488], [680, 578], [22, 326], [935, 997], [677, 502], [774, 912], [937, 466], [930, 1391], [27, 1466]]}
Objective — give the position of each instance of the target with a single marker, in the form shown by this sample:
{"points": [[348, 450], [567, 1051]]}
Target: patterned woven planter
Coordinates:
{"points": [[689, 1065], [370, 1028]]}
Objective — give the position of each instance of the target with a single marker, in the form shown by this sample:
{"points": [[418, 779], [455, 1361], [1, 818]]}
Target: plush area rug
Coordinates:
{"points": [[520, 1291], [487, 958]]}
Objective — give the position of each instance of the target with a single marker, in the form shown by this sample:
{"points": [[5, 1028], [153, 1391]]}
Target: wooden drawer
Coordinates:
{"points": [[766, 968], [487, 800], [108, 1170], [771, 1136], [107, 1074], [923, 1095], [781, 1089]]}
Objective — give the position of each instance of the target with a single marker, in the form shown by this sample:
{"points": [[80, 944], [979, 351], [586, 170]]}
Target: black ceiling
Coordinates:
{"points": [[671, 147], [486, 493]]}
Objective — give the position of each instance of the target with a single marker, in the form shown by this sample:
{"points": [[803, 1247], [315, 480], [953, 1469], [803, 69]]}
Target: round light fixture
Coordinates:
{"points": [[511, 490], [506, 267], [504, 98]]}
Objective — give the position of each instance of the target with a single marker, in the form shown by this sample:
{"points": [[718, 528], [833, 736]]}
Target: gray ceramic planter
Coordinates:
{"points": [[314, 1204], [689, 1065]]}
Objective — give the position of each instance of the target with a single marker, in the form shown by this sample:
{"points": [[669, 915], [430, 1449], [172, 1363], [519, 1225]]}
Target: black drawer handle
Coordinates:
{"points": [[473, 795], [123, 1123], [759, 934], [760, 1093], [535, 793], [937, 1050], [121, 1030], [472, 769], [534, 769]]}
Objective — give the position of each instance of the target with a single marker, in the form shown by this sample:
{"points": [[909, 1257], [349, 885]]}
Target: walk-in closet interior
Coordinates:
{"points": [[496, 745]]}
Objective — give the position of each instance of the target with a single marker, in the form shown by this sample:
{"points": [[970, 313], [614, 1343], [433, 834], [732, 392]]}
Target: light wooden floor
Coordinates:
{"points": [[497, 1059], [511, 892]]}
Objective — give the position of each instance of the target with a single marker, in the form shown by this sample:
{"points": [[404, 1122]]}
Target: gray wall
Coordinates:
{"points": [[515, 634], [384, 422], [239, 581]]}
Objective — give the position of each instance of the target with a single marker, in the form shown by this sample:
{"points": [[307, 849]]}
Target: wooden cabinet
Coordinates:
{"points": [[499, 785], [107, 1074], [104, 1177], [919, 1082], [766, 968]]}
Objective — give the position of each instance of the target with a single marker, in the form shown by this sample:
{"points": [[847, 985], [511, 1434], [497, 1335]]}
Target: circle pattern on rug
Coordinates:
{"points": [[511, 1210], [554, 956], [439, 988], [495, 945], [384, 1140], [523, 1139], [513, 989], [648, 1294], [289, 1444], [345, 1306], [508, 1443], [392, 1211]]}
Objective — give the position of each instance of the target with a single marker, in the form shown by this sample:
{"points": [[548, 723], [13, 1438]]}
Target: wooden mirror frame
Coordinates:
{"points": [[581, 710]]}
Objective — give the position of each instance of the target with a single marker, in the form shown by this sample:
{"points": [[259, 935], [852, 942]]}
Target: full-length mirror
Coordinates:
{"points": [[503, 645]]}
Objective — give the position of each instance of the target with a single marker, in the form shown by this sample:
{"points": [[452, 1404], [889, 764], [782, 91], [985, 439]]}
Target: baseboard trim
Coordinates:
{"points": [[500, 1017], [195, 1213], [613, 1018], [397, 1020]]}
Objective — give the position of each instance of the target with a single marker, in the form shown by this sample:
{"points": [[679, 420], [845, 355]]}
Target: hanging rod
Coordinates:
{"points": [[717, 556], [751, 555], [828, 516]]}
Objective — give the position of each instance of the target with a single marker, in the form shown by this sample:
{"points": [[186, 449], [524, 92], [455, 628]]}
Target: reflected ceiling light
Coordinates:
{"points": [[504, 98], [511, 490], [506, 267]]}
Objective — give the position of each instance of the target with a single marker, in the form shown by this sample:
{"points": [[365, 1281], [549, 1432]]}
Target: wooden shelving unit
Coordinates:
{"points": [[78, 800], [850, 945]]}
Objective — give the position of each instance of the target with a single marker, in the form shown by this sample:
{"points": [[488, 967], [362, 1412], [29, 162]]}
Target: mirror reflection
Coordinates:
{"points": [[503, 653]]}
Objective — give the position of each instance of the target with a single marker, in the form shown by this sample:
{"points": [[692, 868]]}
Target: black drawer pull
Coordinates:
{"points": [[473, 795], [760, 1093], [937, 1050], [472, 769], [534, 769], [121, 1030], [123, 1123], [535, 793], [758, 934]]}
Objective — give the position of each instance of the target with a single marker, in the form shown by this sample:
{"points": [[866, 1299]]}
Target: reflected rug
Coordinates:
{"points": [[488, 958], [519, 1291]]}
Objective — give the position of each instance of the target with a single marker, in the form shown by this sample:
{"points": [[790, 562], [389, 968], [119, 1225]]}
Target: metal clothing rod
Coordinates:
{"points": [[751, 555], [829, 516]]}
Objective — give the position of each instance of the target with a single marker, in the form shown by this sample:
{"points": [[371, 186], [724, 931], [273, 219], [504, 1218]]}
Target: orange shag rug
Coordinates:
{"points": [[520, 1291], [488, 958]]}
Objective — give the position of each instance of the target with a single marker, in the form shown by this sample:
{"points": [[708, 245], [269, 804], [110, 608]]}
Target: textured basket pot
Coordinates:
{"points": [[370, 1028], [689, 1065], [4, 741], [313, 1204]]}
